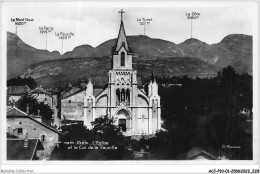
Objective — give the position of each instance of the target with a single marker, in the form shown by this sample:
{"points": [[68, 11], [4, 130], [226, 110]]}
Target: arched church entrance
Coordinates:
{"points": [[123, 120], [122, 125]]}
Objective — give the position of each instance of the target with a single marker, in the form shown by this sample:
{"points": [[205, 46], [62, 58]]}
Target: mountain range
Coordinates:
{"points": [[191, 57]]}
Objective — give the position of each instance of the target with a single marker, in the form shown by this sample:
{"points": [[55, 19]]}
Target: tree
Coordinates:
{"points": [[76, 132], [72, 133], [18, 81], [34, 106], [206, 112], [103, 130], [202, 112]]}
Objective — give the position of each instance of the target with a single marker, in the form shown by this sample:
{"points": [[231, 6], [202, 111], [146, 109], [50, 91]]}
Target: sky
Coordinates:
{"points": [[95, 23]]}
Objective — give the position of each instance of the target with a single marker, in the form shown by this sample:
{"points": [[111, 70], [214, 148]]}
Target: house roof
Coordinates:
{"points": [[196, 151], [39, 90], [17, 113], [14, 111], [54, 91], [76, 90], [17, 151], [70, 92], [17, 90]]}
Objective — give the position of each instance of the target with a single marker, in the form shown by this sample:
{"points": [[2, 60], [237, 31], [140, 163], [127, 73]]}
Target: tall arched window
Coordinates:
{"points": [[117, 97], [123, 95], [127, 97], [122, 58]]}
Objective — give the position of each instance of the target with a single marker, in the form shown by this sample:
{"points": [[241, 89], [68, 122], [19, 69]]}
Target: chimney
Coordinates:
{"points": [[69, 85], [38, 112], [26, 141]]}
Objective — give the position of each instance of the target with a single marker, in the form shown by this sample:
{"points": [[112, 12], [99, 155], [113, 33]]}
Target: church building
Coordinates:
{"points": [[134, 111]]}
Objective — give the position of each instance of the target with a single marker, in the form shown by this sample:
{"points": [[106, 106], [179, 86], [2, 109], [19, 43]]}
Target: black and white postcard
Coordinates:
{"points": [[129, 83]]}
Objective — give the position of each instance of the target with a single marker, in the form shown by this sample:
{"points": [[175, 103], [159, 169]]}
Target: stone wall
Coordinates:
{"points": [[72, 108], [34, 130]]}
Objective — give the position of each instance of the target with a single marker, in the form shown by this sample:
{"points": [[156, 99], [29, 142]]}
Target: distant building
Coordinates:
{"points": [[24, 149], [22, 125], [197, 153], [15, 93], [72, 103], [134, 111], [49, 97], [42, 95]]}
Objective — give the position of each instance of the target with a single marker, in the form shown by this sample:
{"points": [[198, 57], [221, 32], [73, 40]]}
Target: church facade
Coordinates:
{"points": [[134, 111]]}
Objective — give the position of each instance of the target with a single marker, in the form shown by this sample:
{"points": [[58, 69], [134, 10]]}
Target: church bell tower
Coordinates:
{"points": [[135, 112], [122, 81], [122, 53]]}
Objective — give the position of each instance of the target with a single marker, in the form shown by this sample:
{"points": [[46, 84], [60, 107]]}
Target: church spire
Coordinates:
{"points": [[121, 40], [121, 52]]}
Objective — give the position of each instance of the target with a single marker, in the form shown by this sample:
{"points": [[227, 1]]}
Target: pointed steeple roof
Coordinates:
{"points": [[121, 40]]}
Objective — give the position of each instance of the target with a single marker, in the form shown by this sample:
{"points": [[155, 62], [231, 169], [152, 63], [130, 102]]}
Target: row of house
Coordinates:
{"points": [[48, 96], [28, 136]]}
